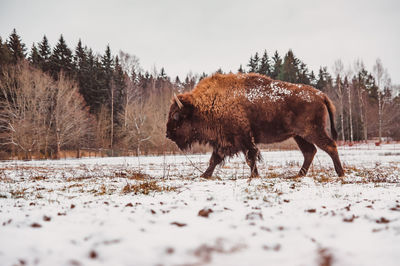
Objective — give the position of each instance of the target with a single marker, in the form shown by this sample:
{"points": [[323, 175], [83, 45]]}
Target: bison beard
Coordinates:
{"points": [[233, 113]]}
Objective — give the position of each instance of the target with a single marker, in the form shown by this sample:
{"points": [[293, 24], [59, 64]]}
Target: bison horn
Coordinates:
{"points": [[178, 102]]}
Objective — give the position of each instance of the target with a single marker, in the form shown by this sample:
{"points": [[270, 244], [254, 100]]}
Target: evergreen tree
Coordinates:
{"points": [[5, 55], [240, 70], [34, 56], [119, 90], [302, 76], [289, 68], [253, 63], [162, 74], [16, 47], [324, 79], [61, 59], [44, 54], [80, 57], [277, 65], [265, 66], [82, 71], [107, 63], [219, 71], [202, 76], [313, 81]]}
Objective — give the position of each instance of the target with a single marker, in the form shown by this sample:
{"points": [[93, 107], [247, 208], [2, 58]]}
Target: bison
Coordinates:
{"points": [[234, 112]]}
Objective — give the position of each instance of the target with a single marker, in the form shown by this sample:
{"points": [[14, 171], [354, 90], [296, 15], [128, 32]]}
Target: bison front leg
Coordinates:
{"points": [[251, 157], [215, 159]]}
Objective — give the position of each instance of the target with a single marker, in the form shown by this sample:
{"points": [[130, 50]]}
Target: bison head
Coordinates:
{"points": [[180, 127]]}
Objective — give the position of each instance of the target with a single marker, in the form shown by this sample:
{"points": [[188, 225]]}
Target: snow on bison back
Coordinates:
{"points": [[234, 112]]}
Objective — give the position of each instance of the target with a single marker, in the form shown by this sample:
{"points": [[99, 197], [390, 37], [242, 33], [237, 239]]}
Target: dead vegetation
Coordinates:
{"points": [[146, 187]]}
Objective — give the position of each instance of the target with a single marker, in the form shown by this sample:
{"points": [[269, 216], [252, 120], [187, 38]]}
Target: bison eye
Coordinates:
{"points": [[176, 116]]}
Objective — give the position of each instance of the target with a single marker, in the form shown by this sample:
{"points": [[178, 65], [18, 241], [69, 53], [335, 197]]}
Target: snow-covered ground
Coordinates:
{"points": [[101, 211]]}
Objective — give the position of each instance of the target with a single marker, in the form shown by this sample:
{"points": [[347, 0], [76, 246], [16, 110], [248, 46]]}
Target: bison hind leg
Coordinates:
{"points": [[252, 155], [325, 143], [308, 149]]}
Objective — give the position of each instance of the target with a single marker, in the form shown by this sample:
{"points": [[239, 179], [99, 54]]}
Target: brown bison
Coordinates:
{"points": [[234, 112]]}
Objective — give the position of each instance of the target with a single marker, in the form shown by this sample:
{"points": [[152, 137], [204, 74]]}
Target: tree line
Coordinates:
{"points": [[55, 98]]}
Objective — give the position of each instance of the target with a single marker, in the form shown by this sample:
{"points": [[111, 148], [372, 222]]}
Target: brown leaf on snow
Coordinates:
{"points": [[311, 210], [169, 250], [382, 220], [46, 218], [93, 254], [129, 205], [205, 251], [205, 212], [36, 225], [254, 216], [277, 247], [325, 257], [178, 224], [350, 220]]}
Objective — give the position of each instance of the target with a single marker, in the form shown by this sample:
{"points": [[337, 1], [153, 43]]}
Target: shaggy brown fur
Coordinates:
{"points": [[233, 113]]}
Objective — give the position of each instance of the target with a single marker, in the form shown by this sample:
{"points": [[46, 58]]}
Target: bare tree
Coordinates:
{"points": [[130, 64], [23, 115], [383, 83], [139, 126], [361, 95], [70, 114], [338, 70], [38, 113], [349, 93]]}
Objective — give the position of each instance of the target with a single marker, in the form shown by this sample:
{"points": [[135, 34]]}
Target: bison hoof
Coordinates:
{"points": [[206, 176]]}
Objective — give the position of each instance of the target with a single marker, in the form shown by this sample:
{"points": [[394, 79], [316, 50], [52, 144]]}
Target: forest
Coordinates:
{"points": [[55, 100]]}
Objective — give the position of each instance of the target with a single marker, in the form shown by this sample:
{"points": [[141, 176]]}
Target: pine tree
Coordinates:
{"points": [[313, 81], [277, 65], [61, 59], [119, 84], [324, 79], [93, 83], [16, 47], [302, 76], [107, 63], [265, 66], [289, 68], [240, 70], [202, 76], [253, 63], [34, 56], [5, 55], [82, 71], [80, 57], [44, 54], [162, 74]]}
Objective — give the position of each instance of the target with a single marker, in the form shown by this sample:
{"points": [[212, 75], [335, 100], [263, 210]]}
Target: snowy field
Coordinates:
{"points": [[157, 211]]}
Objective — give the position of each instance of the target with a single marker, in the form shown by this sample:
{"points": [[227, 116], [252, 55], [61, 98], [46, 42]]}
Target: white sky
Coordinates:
{"points": [[197, 36]]}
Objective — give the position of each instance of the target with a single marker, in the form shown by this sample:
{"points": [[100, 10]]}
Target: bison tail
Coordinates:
{"points": [[331, 111]]}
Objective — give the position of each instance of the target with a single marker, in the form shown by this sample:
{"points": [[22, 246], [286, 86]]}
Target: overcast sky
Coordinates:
{"points": [[197, 36]]}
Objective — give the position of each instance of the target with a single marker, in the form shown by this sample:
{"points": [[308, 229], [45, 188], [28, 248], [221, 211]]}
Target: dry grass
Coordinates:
{"points": [[132, 175], [146, 187]]}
